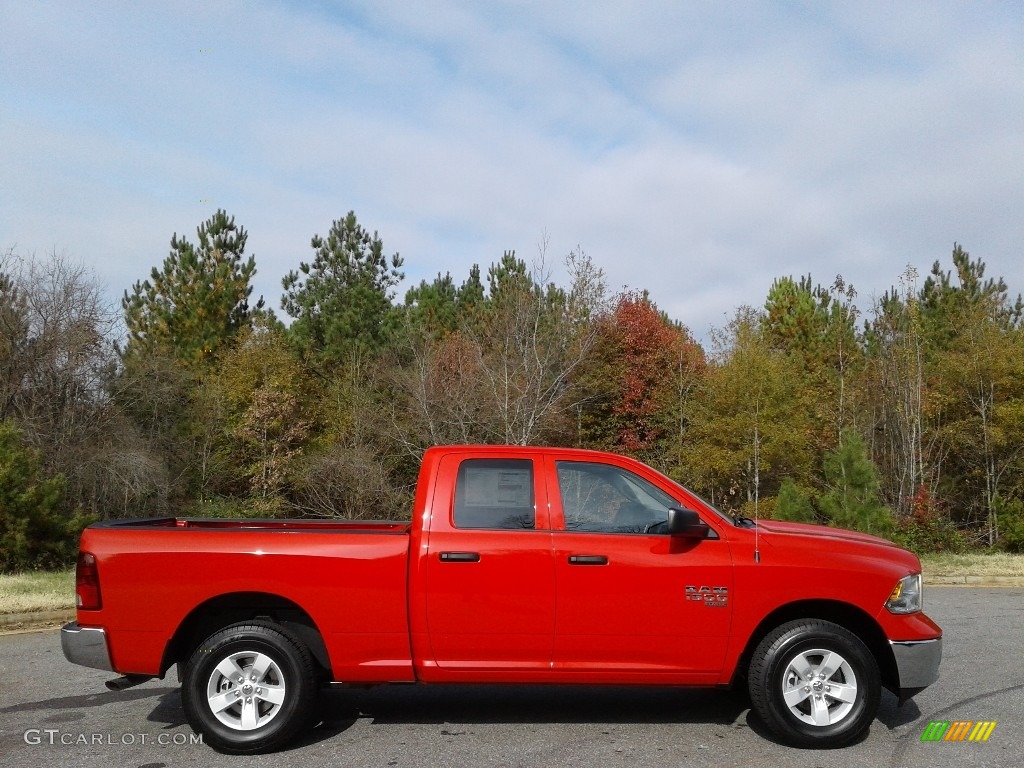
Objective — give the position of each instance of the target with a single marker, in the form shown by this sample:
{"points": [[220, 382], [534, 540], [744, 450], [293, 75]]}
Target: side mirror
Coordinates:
{"points": [[686, 524]]}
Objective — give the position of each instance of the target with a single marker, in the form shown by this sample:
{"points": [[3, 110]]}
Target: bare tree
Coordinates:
{"points": [[907, 453], [506, 375], [349, 482], [57, 359], [14, 333]]}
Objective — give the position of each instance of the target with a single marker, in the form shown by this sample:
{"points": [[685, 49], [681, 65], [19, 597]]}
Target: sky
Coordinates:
{"points": [[697, 150]]}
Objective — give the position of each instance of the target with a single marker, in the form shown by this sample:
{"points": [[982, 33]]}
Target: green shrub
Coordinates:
{"points": [[852, 500], [1011, 525], [33, 532], [794, 504]]}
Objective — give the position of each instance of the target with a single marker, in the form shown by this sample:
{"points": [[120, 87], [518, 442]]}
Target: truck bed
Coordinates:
{"points": [[349, 577]]}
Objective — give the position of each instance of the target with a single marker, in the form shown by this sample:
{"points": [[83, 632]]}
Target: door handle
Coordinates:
{"points": [[460, 557], [588, 560]]}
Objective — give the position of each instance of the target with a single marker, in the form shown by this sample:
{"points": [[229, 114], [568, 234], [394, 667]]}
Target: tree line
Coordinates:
{"points": [[901, 418]]}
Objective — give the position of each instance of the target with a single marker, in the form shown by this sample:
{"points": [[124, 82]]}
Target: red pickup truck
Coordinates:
{"points": [[520, 565]]}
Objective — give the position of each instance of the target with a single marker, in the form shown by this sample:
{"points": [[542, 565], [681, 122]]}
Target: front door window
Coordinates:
{"points": [[602, 498]]}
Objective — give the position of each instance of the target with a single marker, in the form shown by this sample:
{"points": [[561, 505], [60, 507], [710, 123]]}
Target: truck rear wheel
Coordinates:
{"points": [[249, 688], [814, 683]]}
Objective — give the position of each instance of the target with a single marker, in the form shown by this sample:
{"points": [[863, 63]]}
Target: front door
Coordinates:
{"points": [[631, 600]]}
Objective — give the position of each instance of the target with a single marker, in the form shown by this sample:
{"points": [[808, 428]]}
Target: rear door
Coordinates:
{"points": [[490, 568]]}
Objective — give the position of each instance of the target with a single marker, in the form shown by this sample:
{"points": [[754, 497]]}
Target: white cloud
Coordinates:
{"points": [[698, 150]]}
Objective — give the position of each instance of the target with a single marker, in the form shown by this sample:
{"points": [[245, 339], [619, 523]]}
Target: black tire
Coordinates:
{"points": [[282, 694], [838, 707]]}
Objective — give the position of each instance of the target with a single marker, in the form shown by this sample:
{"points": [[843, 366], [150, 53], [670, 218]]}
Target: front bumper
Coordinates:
{"points": [[86, 646], [917, 662]]}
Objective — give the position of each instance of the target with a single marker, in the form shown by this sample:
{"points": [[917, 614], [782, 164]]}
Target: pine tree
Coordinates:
{"points": [[853, 500], [431, 309], [32, 531], [341, 301], [471, 293], [795, 319], [198, 299], [943, 301]]}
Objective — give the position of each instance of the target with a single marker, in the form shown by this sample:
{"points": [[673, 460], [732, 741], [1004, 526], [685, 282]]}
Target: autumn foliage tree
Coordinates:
{"points": [[643, 370], [749, 430]]}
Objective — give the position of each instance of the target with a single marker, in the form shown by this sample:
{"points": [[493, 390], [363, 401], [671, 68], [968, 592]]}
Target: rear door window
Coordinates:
{"points": [[495, 494]]}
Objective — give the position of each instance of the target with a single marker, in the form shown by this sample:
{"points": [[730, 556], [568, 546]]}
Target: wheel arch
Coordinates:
{"points": [[224, 610], [851, 617]]}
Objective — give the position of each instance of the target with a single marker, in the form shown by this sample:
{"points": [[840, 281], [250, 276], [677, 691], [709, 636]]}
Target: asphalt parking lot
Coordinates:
{"points": [[53, 713]]}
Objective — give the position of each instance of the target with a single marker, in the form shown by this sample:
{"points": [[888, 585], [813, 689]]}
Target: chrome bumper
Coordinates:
{"points": [[86, 646], [917, 662]]}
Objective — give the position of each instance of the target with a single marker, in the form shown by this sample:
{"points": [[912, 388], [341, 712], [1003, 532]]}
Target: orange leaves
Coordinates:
{"points": [[651, 356]]}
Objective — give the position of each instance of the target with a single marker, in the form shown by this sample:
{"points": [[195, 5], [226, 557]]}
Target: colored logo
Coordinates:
{"points": [[958, 730]]}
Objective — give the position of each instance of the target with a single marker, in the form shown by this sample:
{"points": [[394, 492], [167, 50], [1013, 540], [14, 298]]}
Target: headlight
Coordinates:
{"points": [[906, 595]]}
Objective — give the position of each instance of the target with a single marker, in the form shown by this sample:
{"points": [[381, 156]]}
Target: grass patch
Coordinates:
{"points": [[972, 564], [37, 591]]}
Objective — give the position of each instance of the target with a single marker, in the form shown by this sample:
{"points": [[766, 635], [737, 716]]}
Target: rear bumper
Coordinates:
{"points": [[86, 646], [917, 662]]}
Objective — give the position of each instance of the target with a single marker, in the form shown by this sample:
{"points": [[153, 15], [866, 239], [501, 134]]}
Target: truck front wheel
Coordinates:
{"points": [[814, 683], [248, 688]]}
